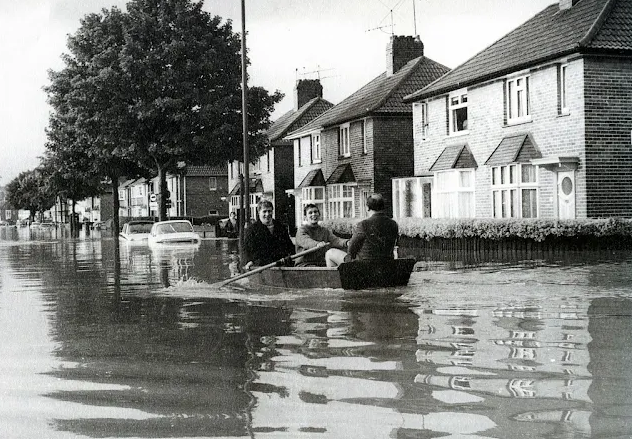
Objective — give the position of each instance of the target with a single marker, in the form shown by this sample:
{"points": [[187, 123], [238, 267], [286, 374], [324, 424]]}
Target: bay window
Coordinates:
{"points": [[515, 191], [453, 194], [341, 201]]}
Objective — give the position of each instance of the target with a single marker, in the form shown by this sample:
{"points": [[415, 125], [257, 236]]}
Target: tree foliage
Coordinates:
{"points": [[145, 89], [31, 191]]}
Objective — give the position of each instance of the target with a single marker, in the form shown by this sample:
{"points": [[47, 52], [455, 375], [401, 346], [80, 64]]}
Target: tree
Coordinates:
{"points": [[157, 85], [30, 191]]}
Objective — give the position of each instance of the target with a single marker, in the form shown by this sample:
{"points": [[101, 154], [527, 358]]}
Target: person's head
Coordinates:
{"points": [[233, 215], [375, 202], [312, 213], [265, 209]]}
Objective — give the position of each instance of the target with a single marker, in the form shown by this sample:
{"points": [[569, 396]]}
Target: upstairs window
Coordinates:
{"points": [[518, 105], [268, 160], [364, 139], [212, 183], [316, 148], [422, 108], [457, 109], [343, 141], [563, 98]]}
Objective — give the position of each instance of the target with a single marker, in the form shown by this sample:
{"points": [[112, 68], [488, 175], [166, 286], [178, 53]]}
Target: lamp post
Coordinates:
{"points": [[245, 181]]}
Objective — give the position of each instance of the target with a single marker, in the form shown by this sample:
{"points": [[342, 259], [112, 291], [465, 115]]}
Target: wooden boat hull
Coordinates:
{"points": [[354, 275]]}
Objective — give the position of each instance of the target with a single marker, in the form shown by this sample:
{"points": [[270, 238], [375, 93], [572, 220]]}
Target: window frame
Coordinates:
{"points": [[463, 102], [344, 141], [308, 195], [315, 148], [338, 195], [507, 187], [513, 94], [212, 187], [563, 91], [365, 148]]}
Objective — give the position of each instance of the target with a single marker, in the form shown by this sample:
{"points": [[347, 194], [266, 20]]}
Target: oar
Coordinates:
{"points": [[270, 265]]}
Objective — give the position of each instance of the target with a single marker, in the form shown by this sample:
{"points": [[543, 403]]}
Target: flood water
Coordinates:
{"points": [[143, 345]]}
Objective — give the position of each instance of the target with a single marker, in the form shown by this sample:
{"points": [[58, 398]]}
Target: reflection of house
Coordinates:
{"points": [[357, 146], [196, 191], [536, 125], [272, 174]]}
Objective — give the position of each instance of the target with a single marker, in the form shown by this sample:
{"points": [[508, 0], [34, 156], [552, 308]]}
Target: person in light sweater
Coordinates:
{"points": [[311, 234]]}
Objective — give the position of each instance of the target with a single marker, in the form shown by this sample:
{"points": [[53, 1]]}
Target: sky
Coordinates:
{"points": [[341, 42]]}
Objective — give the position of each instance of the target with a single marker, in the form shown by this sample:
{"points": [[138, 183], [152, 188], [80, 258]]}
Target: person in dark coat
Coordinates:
{"points": [[266, 240], [232, 228], [375, 237]]}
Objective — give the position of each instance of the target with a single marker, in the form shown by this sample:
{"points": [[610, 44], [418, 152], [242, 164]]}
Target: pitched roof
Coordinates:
{"points": [[256, 186], [382, 95], [294, 119], [454, 157], [586, 26], [514, 149], [206, 171]]}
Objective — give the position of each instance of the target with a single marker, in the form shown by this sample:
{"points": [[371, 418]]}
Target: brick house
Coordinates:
{"points": [[535, 126], [272, 174], [356, 147], [196, 191]]}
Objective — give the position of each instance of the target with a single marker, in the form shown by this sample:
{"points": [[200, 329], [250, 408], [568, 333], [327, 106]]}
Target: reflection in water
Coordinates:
{"points": [[109, 340]]}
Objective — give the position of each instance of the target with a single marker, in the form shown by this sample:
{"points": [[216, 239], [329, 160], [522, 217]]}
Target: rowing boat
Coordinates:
{"points": [[355, 275]]}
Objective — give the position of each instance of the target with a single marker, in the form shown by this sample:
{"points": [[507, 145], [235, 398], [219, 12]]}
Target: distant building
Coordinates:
{"points": [[535, 126]]}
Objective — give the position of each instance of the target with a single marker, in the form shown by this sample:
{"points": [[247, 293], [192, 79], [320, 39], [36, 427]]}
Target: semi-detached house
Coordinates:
{"points": [[272, 174], [538, 125], [360, 144]]}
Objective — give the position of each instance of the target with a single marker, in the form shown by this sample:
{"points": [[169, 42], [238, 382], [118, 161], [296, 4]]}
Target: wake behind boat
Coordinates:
{"points": [[353, 275]]}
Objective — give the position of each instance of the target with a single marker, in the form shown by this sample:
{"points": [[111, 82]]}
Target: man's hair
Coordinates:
{"points": [[375, 202], [264, 203], [310, 206]]}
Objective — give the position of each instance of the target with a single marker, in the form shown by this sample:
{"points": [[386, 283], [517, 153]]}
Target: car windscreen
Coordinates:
{"points": [[173, 228]]}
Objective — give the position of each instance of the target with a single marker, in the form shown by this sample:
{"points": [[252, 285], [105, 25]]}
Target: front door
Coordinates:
{"points": [[566, 195]]}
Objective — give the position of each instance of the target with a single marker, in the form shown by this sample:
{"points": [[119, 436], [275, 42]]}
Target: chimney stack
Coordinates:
{"points": [[400, 50], [567, 4], [306, 90]]}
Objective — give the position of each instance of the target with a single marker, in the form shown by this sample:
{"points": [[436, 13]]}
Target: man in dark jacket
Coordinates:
{"points": [[266, 240], [375, 237]]}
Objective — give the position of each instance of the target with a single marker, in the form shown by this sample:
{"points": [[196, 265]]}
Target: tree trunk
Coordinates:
{"points": [[115, 207], [164, 194]]}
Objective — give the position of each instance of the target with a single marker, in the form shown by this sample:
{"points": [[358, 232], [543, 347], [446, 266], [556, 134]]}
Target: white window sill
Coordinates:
{"points": [[460, 133], [514, 122], [564, 112]]}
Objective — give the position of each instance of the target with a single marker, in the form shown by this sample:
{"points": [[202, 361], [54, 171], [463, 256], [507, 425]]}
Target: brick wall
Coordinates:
{"points": [[393, 155], [200, 199], [608, 90], [552, 133]]}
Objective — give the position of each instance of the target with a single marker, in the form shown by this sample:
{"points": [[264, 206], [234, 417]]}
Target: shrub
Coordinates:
{"points": [[498, 229]]}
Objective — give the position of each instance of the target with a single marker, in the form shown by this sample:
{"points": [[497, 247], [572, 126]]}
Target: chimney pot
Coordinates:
{"points": [[567, 4]]}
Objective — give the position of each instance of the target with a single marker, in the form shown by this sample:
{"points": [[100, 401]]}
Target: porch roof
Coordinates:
{"points": [[313, 178], [256, 186], [342, 174], [514, 149], [454, 157]]}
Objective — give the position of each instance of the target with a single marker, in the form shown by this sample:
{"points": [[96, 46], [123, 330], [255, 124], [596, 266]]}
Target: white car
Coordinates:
{"points": [[173, 232], [136, 230]]}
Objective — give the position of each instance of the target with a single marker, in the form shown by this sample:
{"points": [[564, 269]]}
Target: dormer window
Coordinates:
{"points": [[518, 102], [457, 109]]}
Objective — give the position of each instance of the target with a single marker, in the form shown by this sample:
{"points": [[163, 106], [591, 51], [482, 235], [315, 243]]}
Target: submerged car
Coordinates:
{"points": [[173, 232], [136, 230]]}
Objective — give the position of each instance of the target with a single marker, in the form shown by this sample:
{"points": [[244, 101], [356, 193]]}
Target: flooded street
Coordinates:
{"points": [[145, 346]]}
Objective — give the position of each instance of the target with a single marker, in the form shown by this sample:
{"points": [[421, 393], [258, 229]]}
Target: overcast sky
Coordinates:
{"points": [[341, 41]]}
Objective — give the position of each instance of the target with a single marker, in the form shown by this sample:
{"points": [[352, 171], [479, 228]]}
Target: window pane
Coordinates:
{"points": [[528, 174], [460, 119], [529, 203], [465, 178], [514, 203]]}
